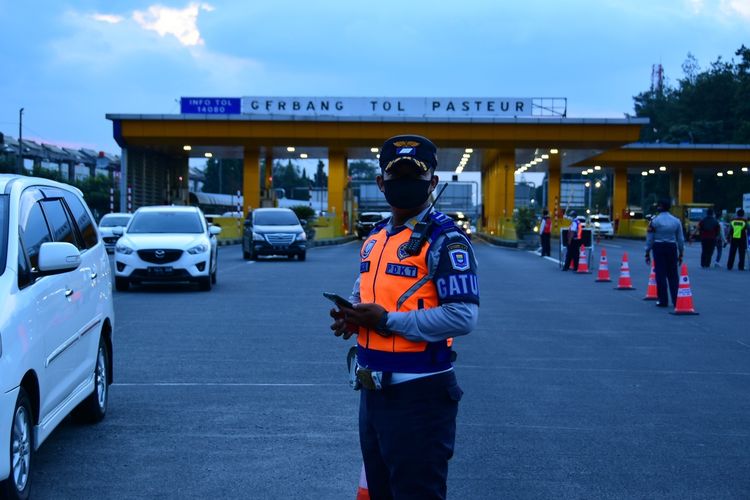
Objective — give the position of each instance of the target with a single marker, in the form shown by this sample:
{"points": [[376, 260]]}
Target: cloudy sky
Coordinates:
{"points": [[70, 62]]}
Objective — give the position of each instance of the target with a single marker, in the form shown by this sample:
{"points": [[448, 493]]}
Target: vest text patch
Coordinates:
{"points": [[401, 270]]}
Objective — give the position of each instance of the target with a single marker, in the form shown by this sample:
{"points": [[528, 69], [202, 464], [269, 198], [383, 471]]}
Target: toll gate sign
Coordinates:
{"points": [[210, 105]]}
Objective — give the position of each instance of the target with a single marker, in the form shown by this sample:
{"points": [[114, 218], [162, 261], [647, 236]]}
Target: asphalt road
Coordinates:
{"points": [[572, 389]]}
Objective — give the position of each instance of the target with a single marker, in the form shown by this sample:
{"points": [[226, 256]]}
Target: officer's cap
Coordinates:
{"points": [[413, 149]]}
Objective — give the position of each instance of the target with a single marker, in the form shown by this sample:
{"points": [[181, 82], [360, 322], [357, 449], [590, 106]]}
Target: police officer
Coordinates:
{"points": [[575, 237], [417, 288], [665, 239], [545, 232], [737, 240]]}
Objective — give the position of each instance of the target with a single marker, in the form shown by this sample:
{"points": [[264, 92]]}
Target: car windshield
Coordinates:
{"points": [[370, 217], [600, 219], [114, 221], [3, 231], [166, 222], [276, 218]]}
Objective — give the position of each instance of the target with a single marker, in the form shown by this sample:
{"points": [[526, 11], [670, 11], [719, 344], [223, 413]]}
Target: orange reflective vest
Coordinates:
{"points": [[398, 282], [547, 225], [580, 231]]}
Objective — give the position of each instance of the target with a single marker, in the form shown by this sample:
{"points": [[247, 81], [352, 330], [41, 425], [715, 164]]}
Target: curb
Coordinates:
{"points": [[331, 241], [498, 241]]}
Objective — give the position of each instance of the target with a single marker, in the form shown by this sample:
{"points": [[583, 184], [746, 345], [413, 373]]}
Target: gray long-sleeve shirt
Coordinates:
{"points": [[665, 228]]}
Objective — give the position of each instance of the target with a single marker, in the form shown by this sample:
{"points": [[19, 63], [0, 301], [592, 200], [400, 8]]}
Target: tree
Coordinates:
{"points": [[291, 178], [320, 180], [363, 170], [223, 176]]}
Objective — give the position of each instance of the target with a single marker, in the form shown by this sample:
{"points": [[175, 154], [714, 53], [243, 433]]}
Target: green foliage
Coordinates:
{"points": [[705, 107], [363, 170], [524, 220], [321, 179], [304, 212], [289, 177], [223, 176]]}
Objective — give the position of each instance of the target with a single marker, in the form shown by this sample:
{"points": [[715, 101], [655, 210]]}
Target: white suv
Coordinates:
{"points": [[167, 244], [56, 323]]}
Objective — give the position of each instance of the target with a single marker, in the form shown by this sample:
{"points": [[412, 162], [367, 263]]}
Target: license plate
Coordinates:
{"points": [[160, 271]]}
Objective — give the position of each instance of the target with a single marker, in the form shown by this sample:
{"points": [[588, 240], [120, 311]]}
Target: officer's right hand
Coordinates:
{"points": [[340, 327], [648, 259]]}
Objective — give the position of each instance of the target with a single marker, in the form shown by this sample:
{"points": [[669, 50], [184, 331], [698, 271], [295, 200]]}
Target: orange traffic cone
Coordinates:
{"points": [[624, 283], [583, 262], [651, 291], [362, 492], [603, 275], [684, 303]]}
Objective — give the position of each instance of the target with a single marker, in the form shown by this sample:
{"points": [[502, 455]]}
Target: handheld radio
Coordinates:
{"points": [[422, 229]]}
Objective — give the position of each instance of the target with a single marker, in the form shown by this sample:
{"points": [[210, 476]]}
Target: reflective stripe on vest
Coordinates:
{"points": [[737, 226]]}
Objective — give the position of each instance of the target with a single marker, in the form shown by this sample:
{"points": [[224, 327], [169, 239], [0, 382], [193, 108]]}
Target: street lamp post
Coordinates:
{"points": [[20, 141]]}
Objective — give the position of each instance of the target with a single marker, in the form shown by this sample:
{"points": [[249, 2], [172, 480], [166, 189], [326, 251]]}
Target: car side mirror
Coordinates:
{"points": [[214, 230], [303, 222], [117, 231], [58, 257]]}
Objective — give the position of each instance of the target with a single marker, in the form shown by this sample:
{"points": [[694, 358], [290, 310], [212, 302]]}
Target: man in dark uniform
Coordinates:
{"points": [[708, 231], [417, 289], [574, 242], [545, 232], [664, 237], [737, 240]]}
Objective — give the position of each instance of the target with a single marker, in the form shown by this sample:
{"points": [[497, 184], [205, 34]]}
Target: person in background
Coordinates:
{"points": [[575, 231], [545, 232], [665, 239], [721, 241], [738, 240], [708, 231]]}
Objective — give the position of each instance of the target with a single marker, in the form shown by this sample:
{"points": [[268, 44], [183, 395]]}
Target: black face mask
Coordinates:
{"points": [[406, 193]]}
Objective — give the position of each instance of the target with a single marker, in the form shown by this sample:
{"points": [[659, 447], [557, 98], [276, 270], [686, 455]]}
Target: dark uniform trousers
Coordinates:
{"points": [[571, 256], [665, 270], [737, 245], [707, 250], [545, 244], [407, 432]]}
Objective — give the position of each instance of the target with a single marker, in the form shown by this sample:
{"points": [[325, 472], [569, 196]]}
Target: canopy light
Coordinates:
{"points": [[303, 155], [744, 169], [187, 147], [467, 155], [651, 171], [588, 184], [468, 150], [597, 167], [208, 155], [545, 157], [719, 174], [662, 168], [644, 173], [730, 172], [374, 150], [585, 172], [290, 149], [553, 151], [598, 184]]}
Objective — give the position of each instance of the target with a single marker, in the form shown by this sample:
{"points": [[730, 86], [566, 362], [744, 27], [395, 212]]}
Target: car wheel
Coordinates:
{"points": [[18, 484], [251, 255], [122, 284], [204, 283], [93, 409], [302, 256]]}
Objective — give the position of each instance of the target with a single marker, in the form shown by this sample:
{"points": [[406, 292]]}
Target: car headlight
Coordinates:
{"points": [[120, 248], [258, 237], [197, 249], [596, 224], [301, 237]]}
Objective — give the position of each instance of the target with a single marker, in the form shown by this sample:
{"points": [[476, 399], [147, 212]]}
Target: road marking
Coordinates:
{"points": [[552, 259], [216, 384], [742, 343], [602, 370]]}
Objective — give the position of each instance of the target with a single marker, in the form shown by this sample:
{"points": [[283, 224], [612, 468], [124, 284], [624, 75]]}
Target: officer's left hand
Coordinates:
{"points": [[342, 327], [366, 315]]}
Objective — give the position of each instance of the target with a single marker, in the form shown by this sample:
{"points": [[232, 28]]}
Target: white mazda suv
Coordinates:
{"points": [[167, 244], [56, 320]]}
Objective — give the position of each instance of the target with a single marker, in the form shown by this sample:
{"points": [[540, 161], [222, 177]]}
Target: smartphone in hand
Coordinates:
{"points": [[338, 300]]}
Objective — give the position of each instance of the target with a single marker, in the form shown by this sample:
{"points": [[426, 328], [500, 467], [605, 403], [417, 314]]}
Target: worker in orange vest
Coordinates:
{"points": [[417, 288], [575, 238], [545, 232]]}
